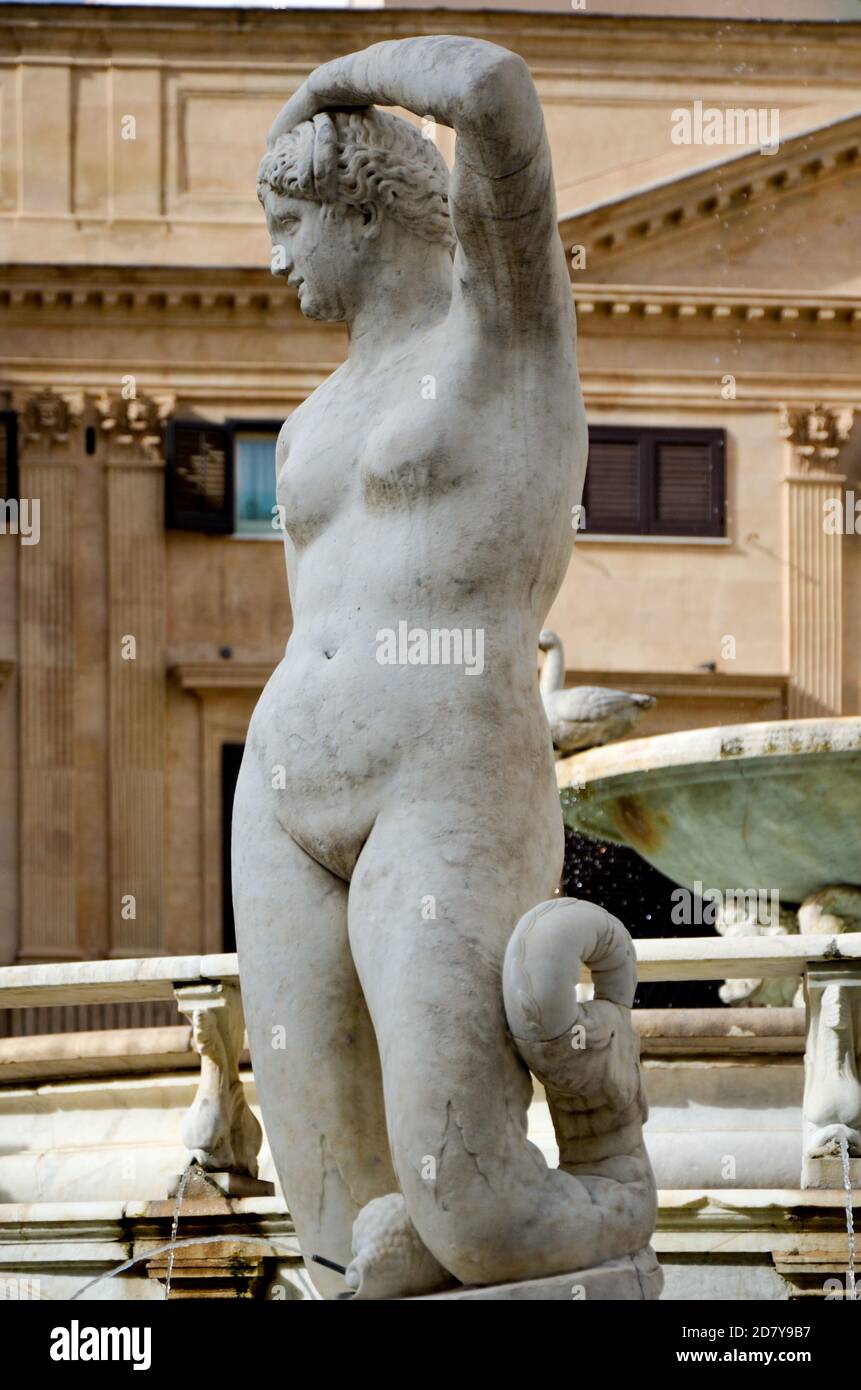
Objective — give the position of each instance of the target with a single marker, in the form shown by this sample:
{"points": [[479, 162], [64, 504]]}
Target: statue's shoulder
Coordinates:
{"points": [[296, 418]]}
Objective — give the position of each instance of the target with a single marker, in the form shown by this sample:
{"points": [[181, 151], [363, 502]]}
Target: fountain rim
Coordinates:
{"points": [[716, 746]]}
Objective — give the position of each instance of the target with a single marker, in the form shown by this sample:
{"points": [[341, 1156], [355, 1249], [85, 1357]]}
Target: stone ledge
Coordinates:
{"points": [[633, 1277]]}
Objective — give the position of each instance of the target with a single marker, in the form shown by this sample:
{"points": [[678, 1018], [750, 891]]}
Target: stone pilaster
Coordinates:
{"points": [[814, 560], [132, 430], [50, 446]]}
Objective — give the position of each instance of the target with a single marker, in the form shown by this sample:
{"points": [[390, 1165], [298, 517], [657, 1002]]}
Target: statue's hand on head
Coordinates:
{"points": [[312, 97], [459, 81], [509, 269]]}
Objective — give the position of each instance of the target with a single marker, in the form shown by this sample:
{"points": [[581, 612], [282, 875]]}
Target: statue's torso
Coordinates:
{"points": [[436, 491]]}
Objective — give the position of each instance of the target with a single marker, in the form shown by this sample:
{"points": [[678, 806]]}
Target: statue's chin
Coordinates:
{"points": [[311, 308]]}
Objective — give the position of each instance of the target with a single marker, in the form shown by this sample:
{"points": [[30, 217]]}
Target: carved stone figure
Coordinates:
{"points": [[381, 857], [219, 1130], [584, 716], [832, 1089]]}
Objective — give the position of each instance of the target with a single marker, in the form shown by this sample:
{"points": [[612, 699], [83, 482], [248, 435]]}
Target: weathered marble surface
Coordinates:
{"points": [[220, 1131], [381, 860], [634, 1277]]}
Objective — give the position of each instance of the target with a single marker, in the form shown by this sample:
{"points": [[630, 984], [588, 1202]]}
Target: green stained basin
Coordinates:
{"points": [[773, 806]]}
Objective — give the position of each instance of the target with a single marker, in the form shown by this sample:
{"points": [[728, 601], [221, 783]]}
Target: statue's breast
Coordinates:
{"points": [[409, 456], [312, 479]]}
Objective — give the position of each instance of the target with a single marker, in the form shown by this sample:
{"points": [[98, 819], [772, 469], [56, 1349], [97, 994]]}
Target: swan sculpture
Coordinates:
{"points": [[584, 715]]}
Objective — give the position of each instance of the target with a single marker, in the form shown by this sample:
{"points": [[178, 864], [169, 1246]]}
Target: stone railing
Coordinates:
{"points": [[219, 1131], [223, 1136]]}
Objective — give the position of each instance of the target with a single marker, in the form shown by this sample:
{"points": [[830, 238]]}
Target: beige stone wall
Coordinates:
{"points": [[148, 257]]}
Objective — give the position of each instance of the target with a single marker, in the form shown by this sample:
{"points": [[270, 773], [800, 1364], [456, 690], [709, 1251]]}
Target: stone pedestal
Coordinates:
{"points": [[827, 1172], [635, 1277]]}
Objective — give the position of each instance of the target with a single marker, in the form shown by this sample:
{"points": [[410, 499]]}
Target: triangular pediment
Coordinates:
{"points": [[791, 219]]}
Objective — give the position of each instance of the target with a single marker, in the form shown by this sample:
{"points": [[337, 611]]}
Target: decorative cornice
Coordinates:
{"points": [[724, 188], [622, 43], [689, 685], [629, 305], [213, 677], [210, 296], [117, 292]]}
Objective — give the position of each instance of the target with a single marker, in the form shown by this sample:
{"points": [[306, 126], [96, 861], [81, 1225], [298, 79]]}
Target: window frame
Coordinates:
{"points": [[235, 425], [9, 421], [648, 438], [219, 524]]}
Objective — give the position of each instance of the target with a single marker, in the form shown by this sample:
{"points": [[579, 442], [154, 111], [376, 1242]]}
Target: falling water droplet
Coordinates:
{"points": [[850, 1223], [180, 1193]]}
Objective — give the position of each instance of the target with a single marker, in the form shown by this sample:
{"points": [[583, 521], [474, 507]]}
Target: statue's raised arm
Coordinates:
{"points": [[509, 261]]}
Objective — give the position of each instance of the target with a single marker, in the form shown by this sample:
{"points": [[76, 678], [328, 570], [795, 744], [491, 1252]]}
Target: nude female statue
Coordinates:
{"points": [[394, 821]]}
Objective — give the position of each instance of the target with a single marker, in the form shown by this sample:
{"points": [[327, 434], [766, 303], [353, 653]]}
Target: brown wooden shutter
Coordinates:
{"points": [[199, 477], [687, 489], [655, 480], [612, 497], [8, 455]]}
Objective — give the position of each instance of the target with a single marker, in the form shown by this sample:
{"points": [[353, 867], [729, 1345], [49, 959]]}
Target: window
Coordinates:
{"points": [[221, 478], [654, 482], [8, 456], [254, 462]]}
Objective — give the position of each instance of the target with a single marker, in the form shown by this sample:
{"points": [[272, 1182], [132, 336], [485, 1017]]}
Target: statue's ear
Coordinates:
{"points": [[371, 219]]}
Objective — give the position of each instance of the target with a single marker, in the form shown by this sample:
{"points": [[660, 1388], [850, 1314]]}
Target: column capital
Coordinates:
{"points": [[134, 427], [49, 419], [816, 434]]}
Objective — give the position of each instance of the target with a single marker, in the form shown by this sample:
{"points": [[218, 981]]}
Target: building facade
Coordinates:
{"points": [[148, 357]]}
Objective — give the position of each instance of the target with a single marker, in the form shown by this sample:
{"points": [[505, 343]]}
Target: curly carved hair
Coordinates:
{"points": [[360, 157]]}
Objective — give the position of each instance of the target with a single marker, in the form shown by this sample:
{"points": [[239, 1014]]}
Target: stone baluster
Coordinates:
{"points": [[220, 1131], [832, 1075]]}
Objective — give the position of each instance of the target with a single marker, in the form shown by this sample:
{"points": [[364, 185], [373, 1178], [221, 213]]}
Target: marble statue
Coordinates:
{"points": [[584, 716], [382, 853]]}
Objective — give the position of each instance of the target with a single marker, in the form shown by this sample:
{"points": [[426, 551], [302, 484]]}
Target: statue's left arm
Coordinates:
{"points": [[509, 263]]}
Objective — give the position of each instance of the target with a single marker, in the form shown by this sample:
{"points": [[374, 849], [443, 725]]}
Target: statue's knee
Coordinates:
{"points": [[475, 1238]]}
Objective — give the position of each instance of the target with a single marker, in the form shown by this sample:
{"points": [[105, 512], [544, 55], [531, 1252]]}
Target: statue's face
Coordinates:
{"points": [[319, 248]]}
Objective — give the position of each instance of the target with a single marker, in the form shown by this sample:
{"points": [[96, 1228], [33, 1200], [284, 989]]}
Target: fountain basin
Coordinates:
{"points": [[774, 805]]}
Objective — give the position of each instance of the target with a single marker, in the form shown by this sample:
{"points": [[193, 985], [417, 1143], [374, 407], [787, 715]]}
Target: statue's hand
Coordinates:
{"points": [[328, 87]]}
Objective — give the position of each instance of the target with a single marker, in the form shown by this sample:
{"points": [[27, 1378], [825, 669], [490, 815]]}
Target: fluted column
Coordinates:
{"points": [[50, 437], [814, 554], [136, 672]]}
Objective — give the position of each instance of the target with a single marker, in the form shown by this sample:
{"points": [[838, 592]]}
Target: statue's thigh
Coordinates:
{"points": [[315, 1058], [430, 916]]}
